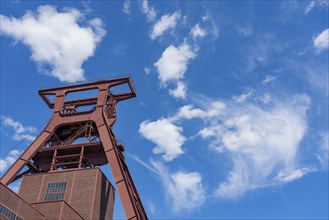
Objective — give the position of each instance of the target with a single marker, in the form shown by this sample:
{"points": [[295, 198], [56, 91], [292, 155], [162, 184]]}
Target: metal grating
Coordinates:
{"points": [[8, 213], [55, 191]]}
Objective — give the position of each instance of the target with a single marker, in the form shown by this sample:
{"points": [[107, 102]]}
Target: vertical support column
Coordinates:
{"points": [[60, 98], [53, 160], [81, 156], [118, 173]]}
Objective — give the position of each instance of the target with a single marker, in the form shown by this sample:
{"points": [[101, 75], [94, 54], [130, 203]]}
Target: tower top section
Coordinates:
{"points": [[48, 95]]}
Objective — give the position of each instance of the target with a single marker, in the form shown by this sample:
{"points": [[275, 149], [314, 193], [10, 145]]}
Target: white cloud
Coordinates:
{"points": [[211, 131], [189, 112], [309, 7], [265, 98], [214, 110], [259, 52], [291, 5], [126, 7], [9, 160], [147, 69], [291, 175], [165, 23], [315, 74], [168, 136], [151, 207], [20, 132], [198, 32], [180, 91], [165, 135], [322, 153], [321, 41], [262, 143], [148, 11], [246, 31], [184, 190], [268, 79], [56, 39], [316, 3], [173, 62], [187, 191], [210, 25], [243, 97]]}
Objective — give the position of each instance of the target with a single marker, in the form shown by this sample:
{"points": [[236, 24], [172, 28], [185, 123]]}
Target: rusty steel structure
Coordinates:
{"points": [[79, 139]]}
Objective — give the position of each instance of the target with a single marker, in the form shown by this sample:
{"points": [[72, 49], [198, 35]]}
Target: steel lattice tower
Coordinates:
{"points": [[75, 139]]}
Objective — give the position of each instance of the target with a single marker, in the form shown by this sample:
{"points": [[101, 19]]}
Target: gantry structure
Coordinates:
{"points": [[80, 135]]}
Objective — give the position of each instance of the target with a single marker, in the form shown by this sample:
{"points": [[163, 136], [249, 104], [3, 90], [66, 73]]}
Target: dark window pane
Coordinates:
{"points": [[55, 191]]}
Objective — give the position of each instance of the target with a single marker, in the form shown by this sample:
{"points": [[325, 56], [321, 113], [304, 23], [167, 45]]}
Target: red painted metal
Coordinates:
{"points": [[74, 139]]}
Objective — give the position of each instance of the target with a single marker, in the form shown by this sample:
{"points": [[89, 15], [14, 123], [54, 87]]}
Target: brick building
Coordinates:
{"points": [[66, 194]]}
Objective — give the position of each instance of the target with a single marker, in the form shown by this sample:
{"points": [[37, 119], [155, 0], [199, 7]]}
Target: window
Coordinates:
{"points": [[9, 214], [55, 191]]}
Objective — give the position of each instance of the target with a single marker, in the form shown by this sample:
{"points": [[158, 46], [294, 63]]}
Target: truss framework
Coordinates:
{"points": [[75, 140]]}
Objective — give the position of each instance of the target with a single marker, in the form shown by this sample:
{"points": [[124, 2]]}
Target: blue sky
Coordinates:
{"points": [[231, 118]]}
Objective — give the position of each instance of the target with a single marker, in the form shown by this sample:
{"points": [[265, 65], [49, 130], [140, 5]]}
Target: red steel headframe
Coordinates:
{"points": [[54, 148]]}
